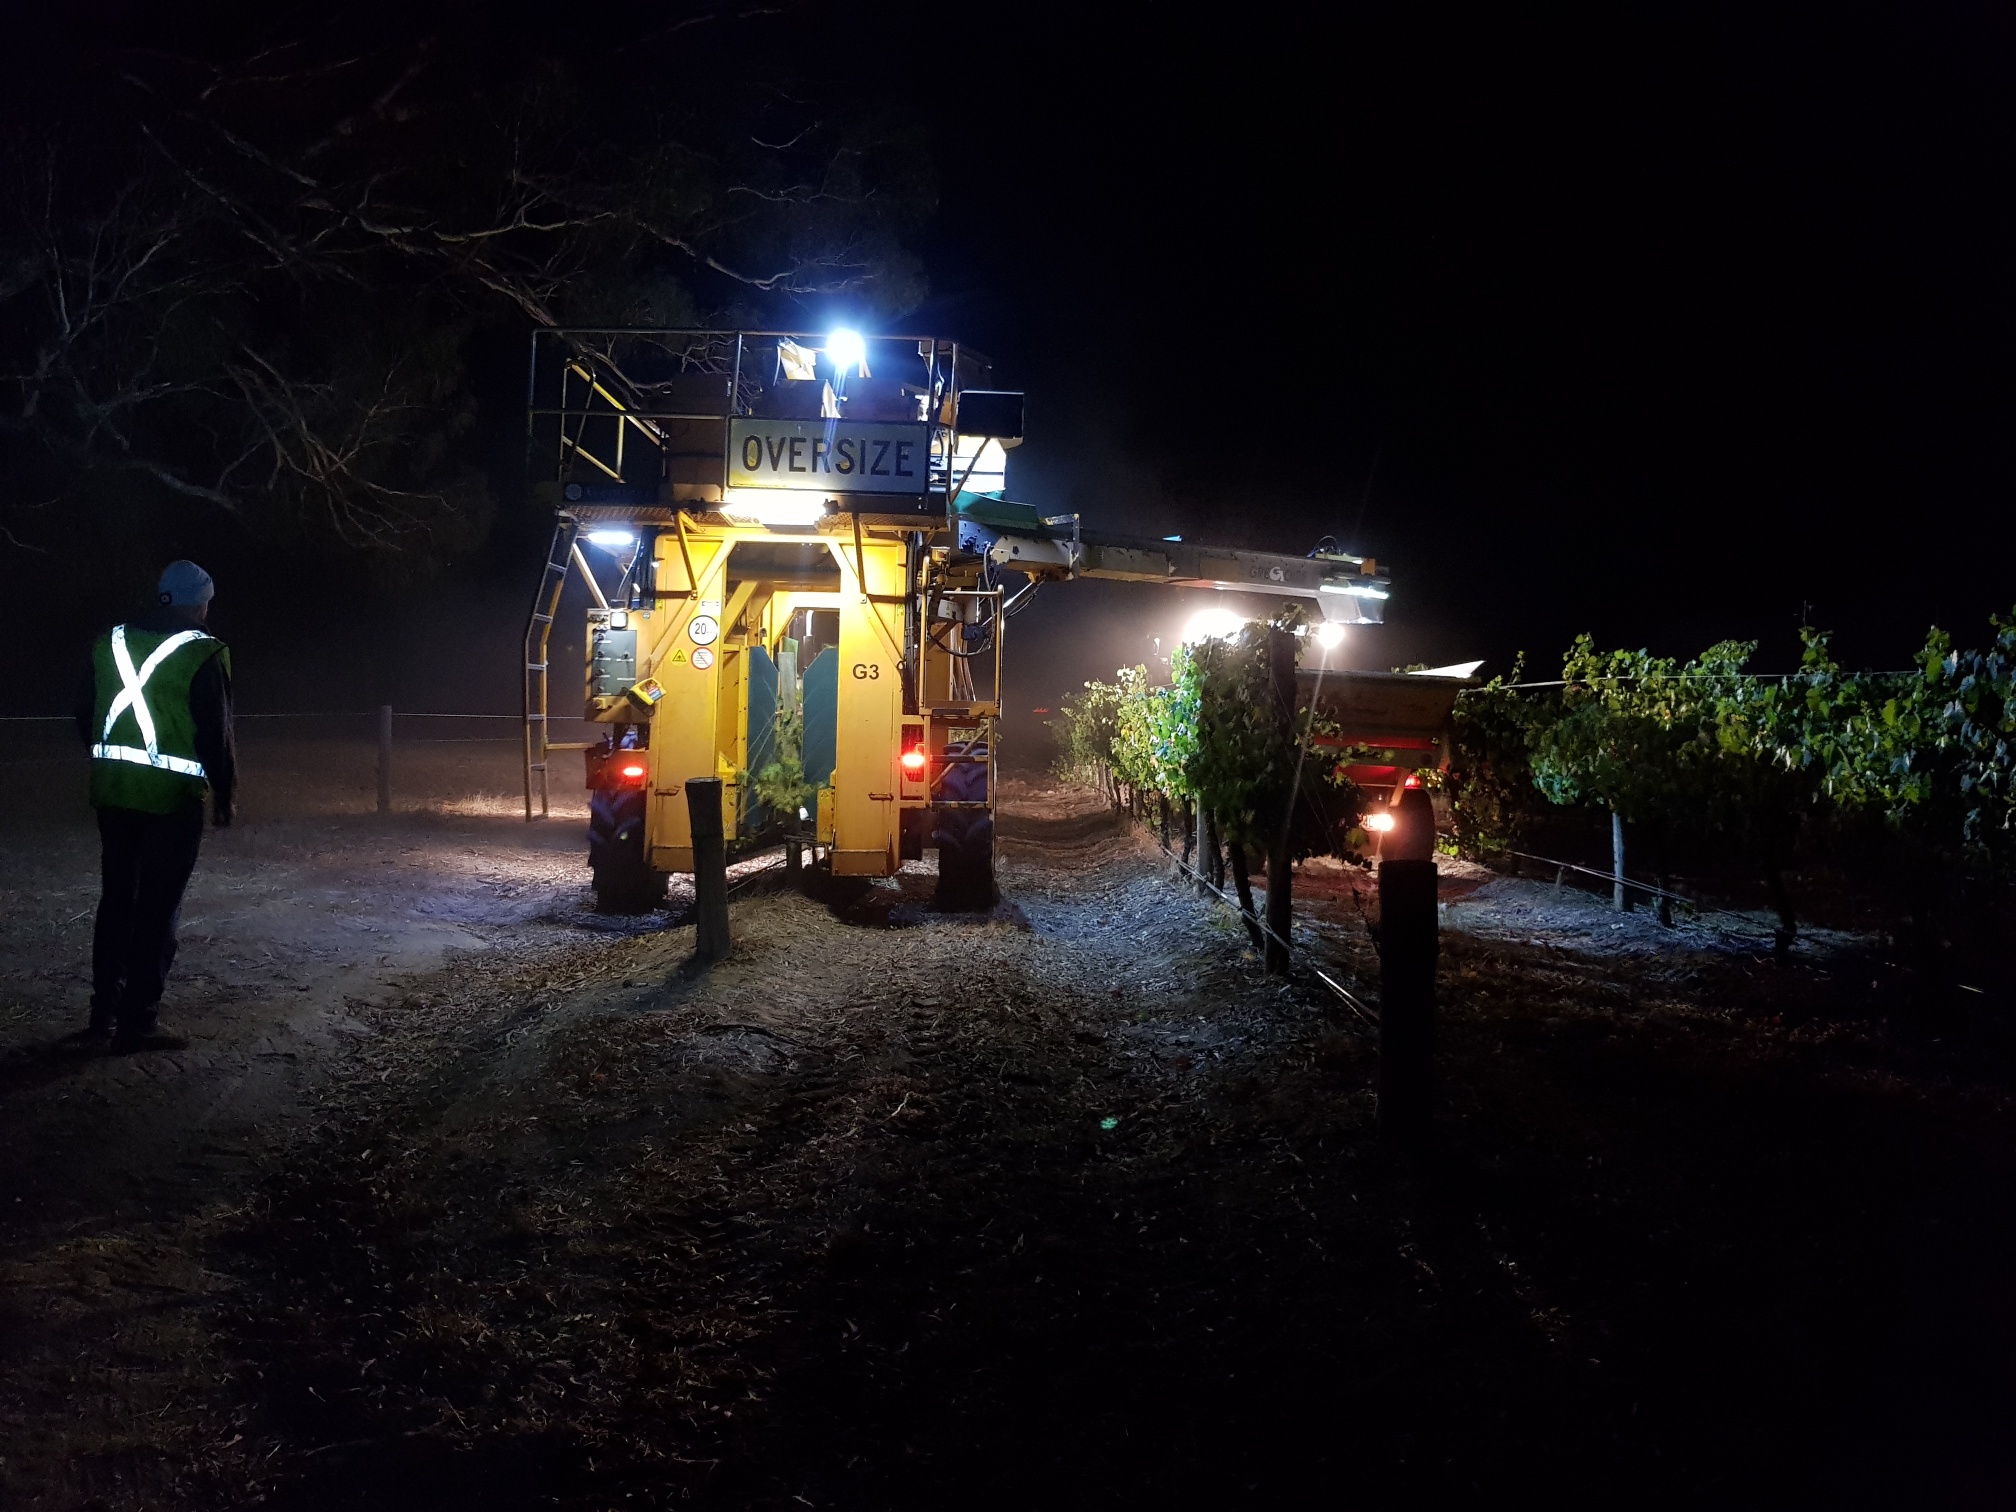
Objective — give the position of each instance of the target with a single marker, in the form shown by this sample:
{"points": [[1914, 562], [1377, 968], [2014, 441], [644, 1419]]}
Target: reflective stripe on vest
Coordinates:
{"points": [[133, 696], [155, 759]]}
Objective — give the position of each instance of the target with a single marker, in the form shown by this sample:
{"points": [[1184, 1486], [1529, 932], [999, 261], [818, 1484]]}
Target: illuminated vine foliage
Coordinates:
{"points": [[1224, 741], [1908, 778], [1213, 736], [1704, 750], [1088, 730], [780, 785], [1490, 786]]}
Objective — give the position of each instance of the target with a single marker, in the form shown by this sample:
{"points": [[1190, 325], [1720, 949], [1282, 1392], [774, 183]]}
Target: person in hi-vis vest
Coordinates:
{"points": [[155, 714]]}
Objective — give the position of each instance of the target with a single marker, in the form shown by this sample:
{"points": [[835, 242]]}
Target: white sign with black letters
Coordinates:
{"points": [[829, 456]]}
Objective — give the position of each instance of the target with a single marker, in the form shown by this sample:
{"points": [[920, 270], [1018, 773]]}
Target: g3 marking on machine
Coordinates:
{"points": [[867, 672]]}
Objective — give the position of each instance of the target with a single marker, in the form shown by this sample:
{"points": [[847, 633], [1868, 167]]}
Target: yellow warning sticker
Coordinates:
{"points": [[678, 656]]}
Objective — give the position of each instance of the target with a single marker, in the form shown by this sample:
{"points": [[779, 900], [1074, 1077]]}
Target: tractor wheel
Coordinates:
{"points": [[625, 882], [965, 862]]}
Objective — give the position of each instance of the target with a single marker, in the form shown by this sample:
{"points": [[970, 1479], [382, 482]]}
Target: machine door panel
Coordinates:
{"points": [[762, 734], [822, 716], [866, 790]]}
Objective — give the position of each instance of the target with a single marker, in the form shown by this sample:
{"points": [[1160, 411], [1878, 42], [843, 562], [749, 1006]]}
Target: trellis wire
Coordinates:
{"points": [[1344, 994]]}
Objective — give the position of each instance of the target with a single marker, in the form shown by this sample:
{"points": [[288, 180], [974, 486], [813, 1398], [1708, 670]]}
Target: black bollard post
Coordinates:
{"points": [[710, 869], [1409, 944]]}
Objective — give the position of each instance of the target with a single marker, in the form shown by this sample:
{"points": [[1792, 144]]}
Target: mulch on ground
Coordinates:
{"points": [[1066, 1205]]}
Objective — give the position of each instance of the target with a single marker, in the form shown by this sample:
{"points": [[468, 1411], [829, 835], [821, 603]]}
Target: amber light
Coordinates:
{"points": [[1379, 823]]}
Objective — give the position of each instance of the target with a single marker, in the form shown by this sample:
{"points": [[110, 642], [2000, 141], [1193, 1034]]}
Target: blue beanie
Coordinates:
{"points": [[184, 585]]}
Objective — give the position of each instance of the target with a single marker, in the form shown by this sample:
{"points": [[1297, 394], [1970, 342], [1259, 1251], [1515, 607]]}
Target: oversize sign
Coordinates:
{"points": [[829, 456]]}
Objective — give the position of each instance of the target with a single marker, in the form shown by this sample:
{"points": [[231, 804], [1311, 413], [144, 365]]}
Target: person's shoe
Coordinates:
{"points": [[156, 1038], [145, 1034]]}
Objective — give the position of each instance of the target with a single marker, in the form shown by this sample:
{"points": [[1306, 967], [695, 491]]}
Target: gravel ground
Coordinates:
{"points": [[1063, 1205]]}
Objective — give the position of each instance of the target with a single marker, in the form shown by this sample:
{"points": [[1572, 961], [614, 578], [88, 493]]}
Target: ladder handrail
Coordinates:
{"points": [[538, 638]]}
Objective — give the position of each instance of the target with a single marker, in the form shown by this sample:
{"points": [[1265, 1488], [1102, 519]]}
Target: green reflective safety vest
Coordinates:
{"points": [[144, 753]]}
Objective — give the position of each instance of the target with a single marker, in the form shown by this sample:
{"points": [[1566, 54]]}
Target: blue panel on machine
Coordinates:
{"points": [[822, 716], [762, 728]]}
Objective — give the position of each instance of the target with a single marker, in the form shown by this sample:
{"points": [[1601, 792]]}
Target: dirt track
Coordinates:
{"points": [[1064, 1206]]}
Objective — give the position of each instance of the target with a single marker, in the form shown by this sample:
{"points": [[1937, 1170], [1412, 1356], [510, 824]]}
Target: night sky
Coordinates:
{"points": [[1666, 323], [1669, 323]]}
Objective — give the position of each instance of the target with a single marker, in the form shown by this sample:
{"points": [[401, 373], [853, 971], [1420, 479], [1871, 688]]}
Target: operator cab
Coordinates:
{"points": [[768, 427]]}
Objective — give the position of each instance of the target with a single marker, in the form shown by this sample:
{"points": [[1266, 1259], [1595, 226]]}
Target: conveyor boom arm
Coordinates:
{"points": [[1348, 588]]}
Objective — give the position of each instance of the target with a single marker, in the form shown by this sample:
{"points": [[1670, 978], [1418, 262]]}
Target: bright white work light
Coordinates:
{"points": [[846, 350], [1212, 624], [765, 506], [1454, 669], [979, 465], [610, 539], [1329, 635]]}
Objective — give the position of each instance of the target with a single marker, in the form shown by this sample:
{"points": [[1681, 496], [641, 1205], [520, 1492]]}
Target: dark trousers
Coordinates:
{"points": [[147, 861]]}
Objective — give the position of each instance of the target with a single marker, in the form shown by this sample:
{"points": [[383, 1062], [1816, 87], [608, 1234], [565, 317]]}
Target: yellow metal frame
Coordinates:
{"points": [[699, 727]]}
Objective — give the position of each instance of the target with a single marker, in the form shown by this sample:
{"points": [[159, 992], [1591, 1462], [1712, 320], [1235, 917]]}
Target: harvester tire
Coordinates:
{"points": [[625, 882], [965, 862]]}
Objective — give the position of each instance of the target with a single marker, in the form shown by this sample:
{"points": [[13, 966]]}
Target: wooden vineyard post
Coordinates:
{"points": [[710, 869], [1620, 898], [1280, 854], [385, 758], [1213, 860]]}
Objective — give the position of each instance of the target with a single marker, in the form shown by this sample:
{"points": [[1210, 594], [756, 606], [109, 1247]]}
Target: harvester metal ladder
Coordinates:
{"points": [[538, 638]]}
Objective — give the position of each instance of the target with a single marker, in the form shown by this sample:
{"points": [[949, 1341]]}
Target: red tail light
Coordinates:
{"points": [[618, 770], [913, 759], [1413, 780]]}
